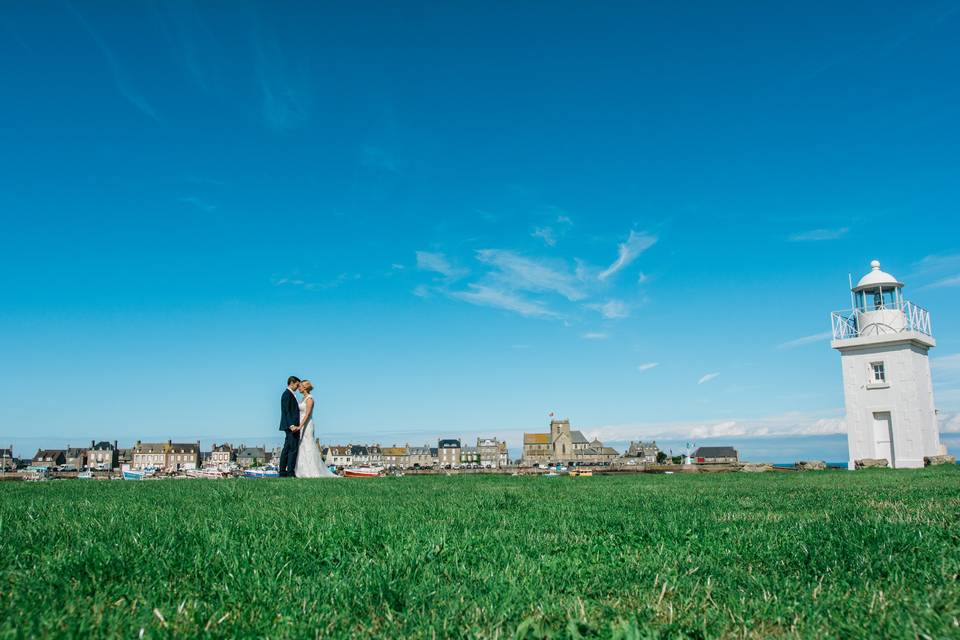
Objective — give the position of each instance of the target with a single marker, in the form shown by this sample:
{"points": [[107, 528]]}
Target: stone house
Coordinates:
{"points": [[222, 455], [492, 452], [124, 456], [49, 458], [448, 452], [252, 457], [375, 455], [7, 461], [338, 455], [640, 451], [103, 455], [395, 457], [168, 456], [716, 455], [75, 456], [469, 456], [420, 457]]}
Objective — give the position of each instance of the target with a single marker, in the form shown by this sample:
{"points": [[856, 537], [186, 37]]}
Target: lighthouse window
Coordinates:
{"points": [[879, 374]]}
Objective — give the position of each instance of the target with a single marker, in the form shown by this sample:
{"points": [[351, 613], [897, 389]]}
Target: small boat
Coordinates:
{"points": [[133, 474], [262, 472], [361, 472], [581, 473]]}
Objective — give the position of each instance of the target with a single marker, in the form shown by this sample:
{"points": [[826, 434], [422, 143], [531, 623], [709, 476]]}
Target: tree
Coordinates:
{"points": [[661, 457]]}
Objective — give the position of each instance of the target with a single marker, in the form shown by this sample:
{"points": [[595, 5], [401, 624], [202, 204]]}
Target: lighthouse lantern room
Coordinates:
{"points": [[883, 343]]}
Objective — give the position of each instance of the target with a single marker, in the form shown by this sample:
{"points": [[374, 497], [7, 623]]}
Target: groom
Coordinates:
{"points": [[290, 425]]}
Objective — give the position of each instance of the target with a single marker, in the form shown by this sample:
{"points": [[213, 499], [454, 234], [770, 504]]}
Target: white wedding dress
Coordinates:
{"points": [[310, 462]]}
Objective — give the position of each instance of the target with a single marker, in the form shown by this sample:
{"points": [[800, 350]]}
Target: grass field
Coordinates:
{"points": [[865, 554]]}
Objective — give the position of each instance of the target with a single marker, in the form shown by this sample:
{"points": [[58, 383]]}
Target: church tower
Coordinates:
{"points": [[883, 343]]}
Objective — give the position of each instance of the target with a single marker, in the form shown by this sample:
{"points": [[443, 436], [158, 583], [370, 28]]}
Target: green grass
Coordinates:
{"points": [[866, 554]]}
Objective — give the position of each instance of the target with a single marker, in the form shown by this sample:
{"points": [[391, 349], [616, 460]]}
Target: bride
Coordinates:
{"points": [[309, 460]]}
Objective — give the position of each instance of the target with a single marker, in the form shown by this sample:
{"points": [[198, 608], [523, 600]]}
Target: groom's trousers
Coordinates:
{"points": [[288, 455]]}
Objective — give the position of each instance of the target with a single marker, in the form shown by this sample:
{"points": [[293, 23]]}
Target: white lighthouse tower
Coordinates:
{"points": [[883, 343]]}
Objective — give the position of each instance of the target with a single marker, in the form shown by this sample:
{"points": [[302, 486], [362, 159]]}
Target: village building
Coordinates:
{"points": [[102, 455], [375, 455], [168, 456], [7, 461], [338, 455], [75, 457], [48, 458], [469, 456], [274, 455], [715, 455], [420, 457], [395, 457], [124, 456], [645, 452], [564, 446], [222, 455], [448, 453], [492, 452], [248, 457]]}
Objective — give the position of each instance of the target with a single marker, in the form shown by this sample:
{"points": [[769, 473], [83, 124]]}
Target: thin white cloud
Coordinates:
{"points": [[708, 377], [805, 340], [646, 366], [438, 263], [937, 264], [818, 235], [787, 424], [595, 335], [286, 91], [199, 204], [611, 309], [952, 281], [628, 251], [548, 235], [946, 363], [520, 272], [120, 78], [486, 296]]}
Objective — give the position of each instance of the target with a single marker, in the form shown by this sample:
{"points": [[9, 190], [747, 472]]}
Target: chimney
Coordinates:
{"points": [[92, 444]]}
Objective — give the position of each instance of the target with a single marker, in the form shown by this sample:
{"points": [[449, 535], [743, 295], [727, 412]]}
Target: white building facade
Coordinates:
{"points": [[883, 343]]}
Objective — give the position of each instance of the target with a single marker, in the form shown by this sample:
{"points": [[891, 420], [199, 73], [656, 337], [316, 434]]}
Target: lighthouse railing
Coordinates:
{"points": [[847, 325]]}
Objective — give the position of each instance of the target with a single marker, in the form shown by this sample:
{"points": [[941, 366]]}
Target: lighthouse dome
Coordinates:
{"points": [[877, 278]]}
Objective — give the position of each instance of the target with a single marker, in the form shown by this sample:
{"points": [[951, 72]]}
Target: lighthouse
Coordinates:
{"points": [[883, 343]]}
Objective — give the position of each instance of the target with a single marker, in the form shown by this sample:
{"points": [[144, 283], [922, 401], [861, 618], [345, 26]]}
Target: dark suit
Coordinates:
{"points": [[289, 416]]}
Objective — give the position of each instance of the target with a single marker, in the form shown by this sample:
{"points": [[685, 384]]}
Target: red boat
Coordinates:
{"points": [[361, 472]]}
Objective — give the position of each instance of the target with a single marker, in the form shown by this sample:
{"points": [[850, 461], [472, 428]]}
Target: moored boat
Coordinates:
{"points": [[362, 472], [262, 472]]}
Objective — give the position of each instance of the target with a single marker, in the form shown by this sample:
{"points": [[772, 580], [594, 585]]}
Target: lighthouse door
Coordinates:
{"points": [[883, 436]]}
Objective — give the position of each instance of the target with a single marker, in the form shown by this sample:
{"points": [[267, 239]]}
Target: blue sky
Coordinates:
{"points": [[457, 219]]}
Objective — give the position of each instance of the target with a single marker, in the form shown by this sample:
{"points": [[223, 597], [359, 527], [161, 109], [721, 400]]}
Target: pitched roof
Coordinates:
{"points": [[394, 451], [252, 452], [103, 444], [48, 454], [715, 452], [449, 443], [577, 437], [536, 438]]}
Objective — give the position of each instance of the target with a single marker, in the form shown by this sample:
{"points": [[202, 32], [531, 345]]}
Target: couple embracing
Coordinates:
{"points": [[300, 456]]}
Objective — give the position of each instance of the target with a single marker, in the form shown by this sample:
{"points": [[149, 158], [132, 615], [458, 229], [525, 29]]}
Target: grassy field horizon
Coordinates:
{"points": [[864, 554]]}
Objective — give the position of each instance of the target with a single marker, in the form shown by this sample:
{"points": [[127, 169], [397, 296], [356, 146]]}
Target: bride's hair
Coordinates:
{"points": [[306, 386]]}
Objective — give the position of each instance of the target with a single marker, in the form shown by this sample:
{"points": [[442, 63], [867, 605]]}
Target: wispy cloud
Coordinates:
{"points": [[547, 234], [805, 340], [646, 366], [594, 335], [708, 377], [946, 363], [487, 296], [817, 235], [520, 272], [952, 281], [438, 263], [286, 93], [120, 78], [552, 234], [611, 309], [787, 424], [309, 285], [628, 251], [937, 264]]}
